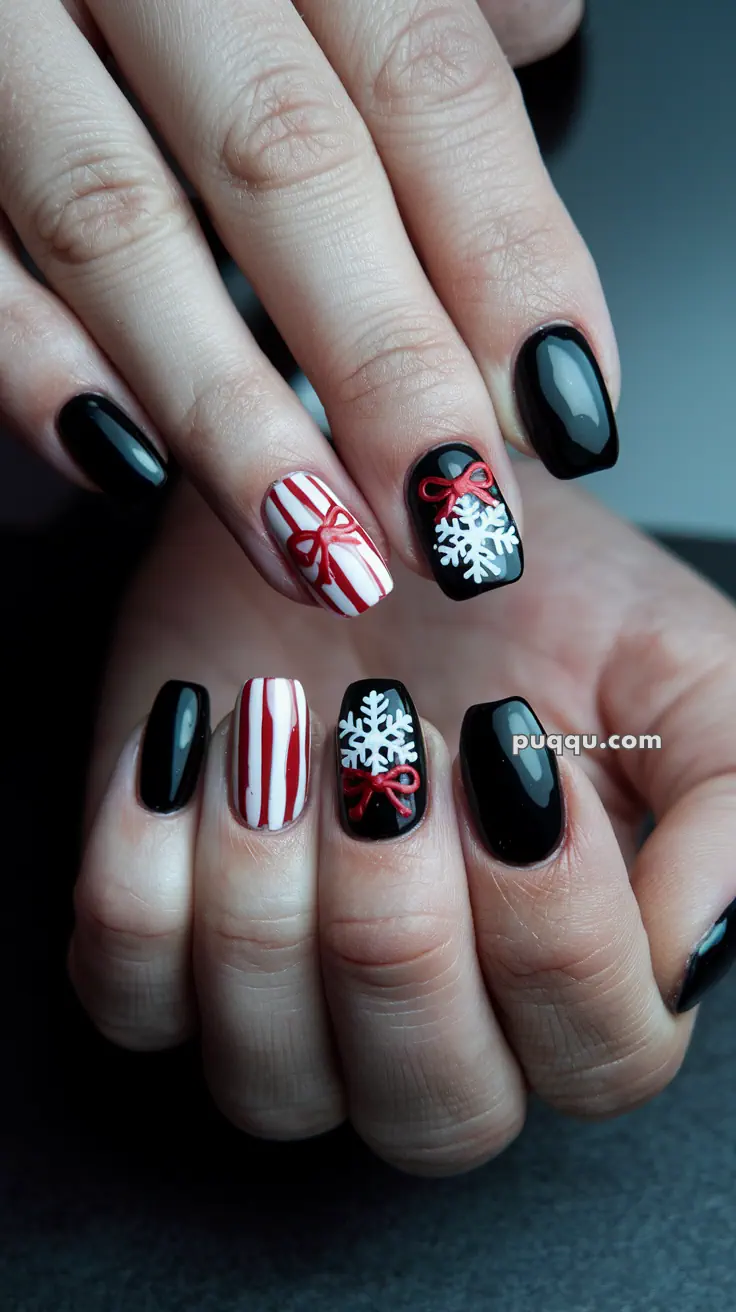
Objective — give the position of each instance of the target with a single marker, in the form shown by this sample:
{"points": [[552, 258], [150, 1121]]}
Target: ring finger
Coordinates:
{"points": [[560, 936], [266, 1042]]}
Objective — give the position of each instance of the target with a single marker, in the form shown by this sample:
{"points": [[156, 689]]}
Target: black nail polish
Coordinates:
{"points": [[110, 449], [564, 403], [516, 800], [712, 958], [382, 767], [463, 523], [174, 746]]}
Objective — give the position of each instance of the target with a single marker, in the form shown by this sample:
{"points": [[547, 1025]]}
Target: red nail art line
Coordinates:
{"points": [[271, 752], [332, 551]]}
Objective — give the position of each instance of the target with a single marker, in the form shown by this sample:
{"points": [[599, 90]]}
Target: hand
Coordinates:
{"points": [[433, 980], [319, 136]]}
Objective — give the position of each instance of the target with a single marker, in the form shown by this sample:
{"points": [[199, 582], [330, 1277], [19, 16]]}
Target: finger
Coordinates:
{"points": [[446, 113], [532, 29], [267, 1048], [61, 395], [670, 683], [269, 137], [97, 208], [130, 952], [432, 1085], [559, 932]]}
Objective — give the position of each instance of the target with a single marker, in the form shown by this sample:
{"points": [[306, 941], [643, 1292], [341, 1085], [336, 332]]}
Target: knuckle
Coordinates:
{"points": [[283, 130], [23, 320], [590, 1035], [269, 944], [521, 247], [391, 952], [400, 363], [238, 401], [614, 1079], [120, 923], [562, 963], [99, 207], [438, 57]]}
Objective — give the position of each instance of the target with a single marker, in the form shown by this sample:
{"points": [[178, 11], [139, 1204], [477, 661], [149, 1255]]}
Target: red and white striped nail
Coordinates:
{"points": [[338, 561], [271, 749]]}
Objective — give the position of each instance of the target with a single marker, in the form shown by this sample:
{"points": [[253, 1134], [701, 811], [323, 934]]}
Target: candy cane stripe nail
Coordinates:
{"points": [[333, 553], [271, 750]]}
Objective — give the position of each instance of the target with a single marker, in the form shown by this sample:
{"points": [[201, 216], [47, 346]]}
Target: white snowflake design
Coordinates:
{"points": [[377, 739], [477, 537]]}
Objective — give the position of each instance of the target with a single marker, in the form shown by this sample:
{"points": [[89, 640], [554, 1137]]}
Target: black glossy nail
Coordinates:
{"points": [[382, 767], [174, 746], [564, 403], [463, 523], [110, 449], [515, 797], [712, 958]]}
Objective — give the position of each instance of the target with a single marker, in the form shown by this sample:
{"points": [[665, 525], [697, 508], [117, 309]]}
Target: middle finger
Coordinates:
{"points": [[266, 131], [431, 1083]]}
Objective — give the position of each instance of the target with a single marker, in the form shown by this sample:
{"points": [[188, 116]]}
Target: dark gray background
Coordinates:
{"points": [[121, 1188]]}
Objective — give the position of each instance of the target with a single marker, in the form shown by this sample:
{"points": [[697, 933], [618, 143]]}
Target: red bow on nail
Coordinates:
{"points": [[362, 784], [313, 544], [450, 490]]}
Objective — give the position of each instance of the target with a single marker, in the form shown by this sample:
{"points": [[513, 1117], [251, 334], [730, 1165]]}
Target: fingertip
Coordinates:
{"points": [[534, 31]]}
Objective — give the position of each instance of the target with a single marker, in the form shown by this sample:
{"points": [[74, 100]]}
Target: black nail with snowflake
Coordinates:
{"points": [[382, 767], [463, 523]]}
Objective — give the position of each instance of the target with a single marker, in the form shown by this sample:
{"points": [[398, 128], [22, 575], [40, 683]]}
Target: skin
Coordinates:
{"points": [[419, 987], [371, 168]]}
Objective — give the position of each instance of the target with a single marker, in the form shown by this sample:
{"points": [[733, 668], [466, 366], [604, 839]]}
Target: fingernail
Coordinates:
{"points": [[271, 753], [463, 523], [564, 403], [382, 774], [109, 448], [516, 800], [341, 566], [712, 958], [174, 746]]}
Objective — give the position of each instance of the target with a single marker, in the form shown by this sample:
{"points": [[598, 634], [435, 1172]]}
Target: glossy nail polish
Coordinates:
{"points": [[515, 797], [564, 403], [382, 767], [110, 449], [463, 523], [712, 958], [340, 564], [174, 746], [271, 753]]}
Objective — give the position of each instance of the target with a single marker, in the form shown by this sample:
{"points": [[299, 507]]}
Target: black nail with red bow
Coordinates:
{"points": [[463, 523], [382, 766]]}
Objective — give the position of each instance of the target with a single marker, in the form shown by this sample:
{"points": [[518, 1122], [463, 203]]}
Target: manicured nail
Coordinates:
{"points": [[382, 774], [515, 799], [335, 556], [110, 449], [564, 404], [174, 746], [271, 752], [463, 523], [713, 956]]}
